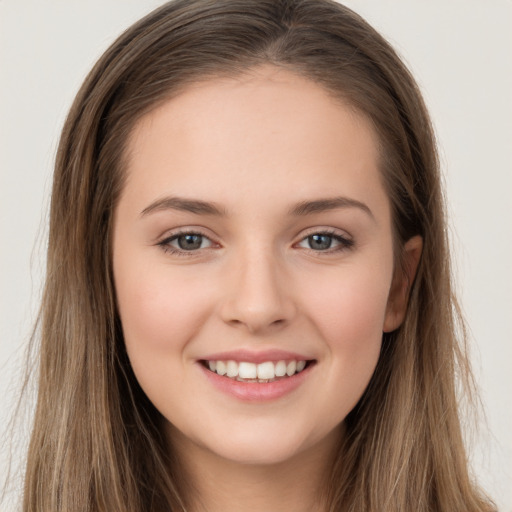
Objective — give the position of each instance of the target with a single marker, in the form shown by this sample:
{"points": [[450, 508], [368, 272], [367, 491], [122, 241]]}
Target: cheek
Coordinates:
{"points": [[349, 318], [160, 308], [350, 309]]}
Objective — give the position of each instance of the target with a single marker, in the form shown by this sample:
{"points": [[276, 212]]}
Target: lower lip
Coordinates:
{"points": [[256, 391]]}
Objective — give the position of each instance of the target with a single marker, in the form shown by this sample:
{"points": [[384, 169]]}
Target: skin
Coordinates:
{"points": [[256, 146]]}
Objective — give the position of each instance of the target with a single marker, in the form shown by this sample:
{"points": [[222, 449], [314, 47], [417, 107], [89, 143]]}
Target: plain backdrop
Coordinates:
{"points": [[460, 52]]}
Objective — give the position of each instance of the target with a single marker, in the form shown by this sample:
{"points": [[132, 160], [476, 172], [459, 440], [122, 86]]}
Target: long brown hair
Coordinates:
{"points": [[97, 442]]}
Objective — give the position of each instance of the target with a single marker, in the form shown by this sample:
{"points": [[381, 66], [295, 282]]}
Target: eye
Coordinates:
{"points": [[325, 242], [186, 242]]}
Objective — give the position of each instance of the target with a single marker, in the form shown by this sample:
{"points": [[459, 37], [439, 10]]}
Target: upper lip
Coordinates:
{"points": [[256, 357]]}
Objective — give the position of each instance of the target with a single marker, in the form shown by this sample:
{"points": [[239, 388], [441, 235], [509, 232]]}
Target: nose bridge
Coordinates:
{"points": [[257, 296]]}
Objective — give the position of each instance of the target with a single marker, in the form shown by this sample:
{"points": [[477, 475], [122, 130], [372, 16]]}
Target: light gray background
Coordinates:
{"points": [[459, 50]]}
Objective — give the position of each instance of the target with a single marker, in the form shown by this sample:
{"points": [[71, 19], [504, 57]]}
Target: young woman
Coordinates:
{"points": [[248, 302]]}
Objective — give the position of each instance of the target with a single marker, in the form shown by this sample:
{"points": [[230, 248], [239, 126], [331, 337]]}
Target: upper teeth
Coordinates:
{"points": [[263, 371]]}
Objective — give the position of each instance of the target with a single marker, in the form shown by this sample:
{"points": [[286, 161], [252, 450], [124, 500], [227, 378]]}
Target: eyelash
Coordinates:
{"points": [[167, 248], [343, 242]]}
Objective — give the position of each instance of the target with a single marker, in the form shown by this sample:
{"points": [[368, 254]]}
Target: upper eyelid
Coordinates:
{"points": [[339, 238], [336, 232], [188, 230]]}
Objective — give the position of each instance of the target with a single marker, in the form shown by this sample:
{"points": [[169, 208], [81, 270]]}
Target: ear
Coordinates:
{"points": [[402, 280]]}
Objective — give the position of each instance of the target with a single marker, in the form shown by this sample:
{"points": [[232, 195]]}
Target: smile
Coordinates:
{"points": [[261, 376], [265, 372]]}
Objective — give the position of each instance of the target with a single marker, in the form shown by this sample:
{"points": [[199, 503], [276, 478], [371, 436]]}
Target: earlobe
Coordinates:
{"points": [[402, 281]]}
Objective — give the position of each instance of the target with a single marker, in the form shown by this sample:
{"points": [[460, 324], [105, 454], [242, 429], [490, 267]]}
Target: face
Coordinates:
{"points": [[253, 264]]}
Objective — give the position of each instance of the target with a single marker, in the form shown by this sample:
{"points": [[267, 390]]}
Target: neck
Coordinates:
{"points": [[216, 484]]}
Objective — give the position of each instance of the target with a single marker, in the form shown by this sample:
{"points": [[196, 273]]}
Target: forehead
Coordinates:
{"points": [[269, 132]]}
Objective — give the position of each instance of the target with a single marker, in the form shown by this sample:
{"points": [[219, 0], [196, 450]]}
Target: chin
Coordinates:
{"points": [[261, 447], [250, 453]]}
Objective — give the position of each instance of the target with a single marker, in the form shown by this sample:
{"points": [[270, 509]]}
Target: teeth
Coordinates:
{"points": [[221, 367], [250, 372], [232, 369], [266, 371], [290, 368], [280, 369], [247, 371]]}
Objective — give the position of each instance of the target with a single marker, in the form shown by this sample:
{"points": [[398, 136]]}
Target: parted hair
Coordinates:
{"points": [[97, 442]]}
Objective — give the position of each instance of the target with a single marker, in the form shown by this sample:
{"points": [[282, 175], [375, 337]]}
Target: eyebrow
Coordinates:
{"points": [[185, 205], [303, 208], [322, 205]]}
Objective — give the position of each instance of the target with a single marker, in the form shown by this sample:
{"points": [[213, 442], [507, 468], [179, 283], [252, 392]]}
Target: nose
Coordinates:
{"points": [[258, 294]]}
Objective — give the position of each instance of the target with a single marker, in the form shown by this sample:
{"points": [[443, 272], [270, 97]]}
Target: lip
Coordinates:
{"points": [[255, 391], [256, 357]]}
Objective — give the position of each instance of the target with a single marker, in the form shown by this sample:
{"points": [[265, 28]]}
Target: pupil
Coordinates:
{"points": [[190, 242], [320, 242]]}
